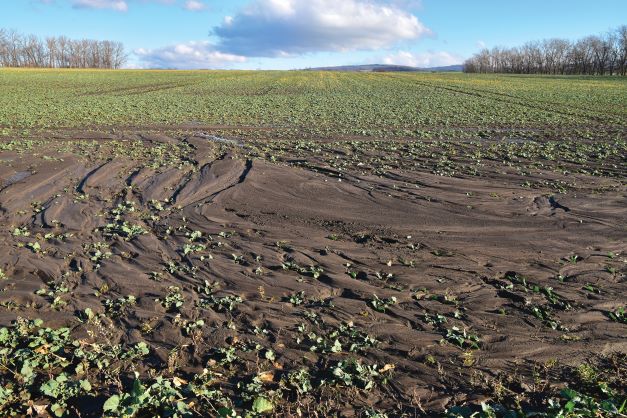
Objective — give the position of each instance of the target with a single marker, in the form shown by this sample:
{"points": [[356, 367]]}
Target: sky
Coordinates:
{"points": [[292, 34]]}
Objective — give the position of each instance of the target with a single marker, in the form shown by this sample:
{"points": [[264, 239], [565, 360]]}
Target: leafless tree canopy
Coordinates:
{"points": [[17, 50], [594, 55]]}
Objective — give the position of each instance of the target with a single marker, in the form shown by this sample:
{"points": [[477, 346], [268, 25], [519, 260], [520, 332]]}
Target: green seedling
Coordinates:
{"points": [[34, 246], [591, 288], [118, 307], [220, 304], [173, 300], [381, 305], [618, 315], [297, 298], [462, 338]]}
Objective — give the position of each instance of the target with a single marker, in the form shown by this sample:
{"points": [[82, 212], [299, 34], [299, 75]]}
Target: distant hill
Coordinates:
{"points": [[372, 68], [446, 68]]}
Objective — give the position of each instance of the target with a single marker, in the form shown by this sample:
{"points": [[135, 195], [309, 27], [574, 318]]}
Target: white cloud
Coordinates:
{"points": [[194, 5], [134, 66], [117, 5], [481, 44], [268, 28], [424, 59], [189, 55], [407, 4]]}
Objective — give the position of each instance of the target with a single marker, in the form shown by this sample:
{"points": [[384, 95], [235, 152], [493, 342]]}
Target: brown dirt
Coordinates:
{"points": [[438, 244]]}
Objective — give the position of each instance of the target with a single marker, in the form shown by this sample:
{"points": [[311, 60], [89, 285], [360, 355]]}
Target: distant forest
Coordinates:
{"points": [[594, 55], [17, 50]]}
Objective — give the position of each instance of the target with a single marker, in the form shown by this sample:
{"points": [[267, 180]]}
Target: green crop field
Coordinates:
{"points": [[314, 104]]}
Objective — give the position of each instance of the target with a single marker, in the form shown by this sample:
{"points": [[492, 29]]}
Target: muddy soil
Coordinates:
{"points": [[444, 277]]}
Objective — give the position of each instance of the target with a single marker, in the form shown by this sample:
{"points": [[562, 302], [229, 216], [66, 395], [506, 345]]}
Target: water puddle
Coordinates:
{"points": [[227, 141]]}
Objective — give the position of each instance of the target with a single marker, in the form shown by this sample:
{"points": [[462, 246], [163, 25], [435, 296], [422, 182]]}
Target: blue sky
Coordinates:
{"points": [[286, 34]]}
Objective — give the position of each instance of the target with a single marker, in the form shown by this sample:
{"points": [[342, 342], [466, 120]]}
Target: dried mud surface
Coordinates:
{"points": [[279, 222]]}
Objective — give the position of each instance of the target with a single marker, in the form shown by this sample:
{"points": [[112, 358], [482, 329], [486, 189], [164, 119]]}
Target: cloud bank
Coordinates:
{"points": [[424, 59], [117, 5], [274, 28], [194, 5], [288, 28], [191, 55], [123, 5]]}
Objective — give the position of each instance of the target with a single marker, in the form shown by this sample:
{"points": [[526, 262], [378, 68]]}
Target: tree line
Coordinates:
{"points": [[17, 50], [604, 54]]}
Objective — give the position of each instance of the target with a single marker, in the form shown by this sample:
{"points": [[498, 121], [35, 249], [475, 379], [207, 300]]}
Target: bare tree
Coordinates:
{"points": [[604, 54], [17, 50], [621, 46], [4, 48]]}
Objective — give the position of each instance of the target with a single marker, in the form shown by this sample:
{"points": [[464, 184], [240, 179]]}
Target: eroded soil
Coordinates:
{"points": [[452, 267]]}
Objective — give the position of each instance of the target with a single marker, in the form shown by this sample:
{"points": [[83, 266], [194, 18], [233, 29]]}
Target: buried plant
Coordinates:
{"points": [[162, 398], [173, 300], [381, 305]]}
